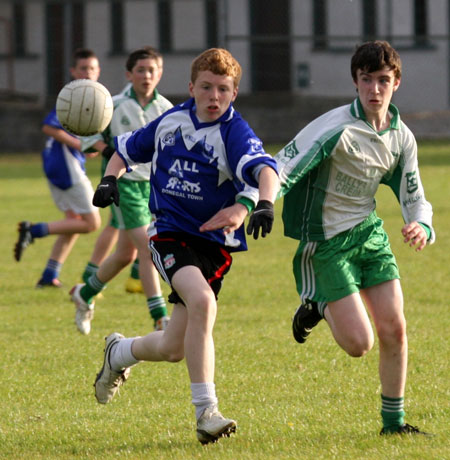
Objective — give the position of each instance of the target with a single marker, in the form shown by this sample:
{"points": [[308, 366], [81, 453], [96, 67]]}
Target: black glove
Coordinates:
{"points": [[108, 152], [106, 193], [261, 218]]}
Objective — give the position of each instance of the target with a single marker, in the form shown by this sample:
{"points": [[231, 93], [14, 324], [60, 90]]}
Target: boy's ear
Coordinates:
{"points": [[191, 89], [397, 83], [235, 93]]}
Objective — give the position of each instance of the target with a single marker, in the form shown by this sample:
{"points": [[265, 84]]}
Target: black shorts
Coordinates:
{"points": [[172, 251]]}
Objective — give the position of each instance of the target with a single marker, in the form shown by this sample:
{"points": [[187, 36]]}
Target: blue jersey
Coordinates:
{"points": [[63, 165], [197, 169]]}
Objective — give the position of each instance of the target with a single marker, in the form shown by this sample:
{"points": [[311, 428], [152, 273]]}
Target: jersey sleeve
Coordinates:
{"points": [[406, 183], [52, 120], [307, 150], [87, 142], [246, 154]]}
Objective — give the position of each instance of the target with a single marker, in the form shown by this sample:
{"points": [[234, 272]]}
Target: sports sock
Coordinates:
{"points": [[203, 395], [91, 288], [51, 271], [134, 273], [39, 230], [157, 307], [392, 413], [121, 355], [89, 270]]}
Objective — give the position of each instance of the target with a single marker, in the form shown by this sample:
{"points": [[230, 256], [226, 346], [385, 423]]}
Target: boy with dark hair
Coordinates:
{"points": [[207, 167], [329, 175], [71, 189], [136, 106]]}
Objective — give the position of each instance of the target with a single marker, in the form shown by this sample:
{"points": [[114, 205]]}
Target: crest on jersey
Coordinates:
{"points": [[169, 139], [291, 150], [411, 182], [354, 147]]}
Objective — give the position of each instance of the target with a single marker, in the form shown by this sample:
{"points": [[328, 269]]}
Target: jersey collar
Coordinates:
{"points": [[190, 104], [132, 95], [356, 109]]}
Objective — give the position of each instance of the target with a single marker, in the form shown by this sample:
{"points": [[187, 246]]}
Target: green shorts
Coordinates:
{"points": [[326, 271], [132, 211]]}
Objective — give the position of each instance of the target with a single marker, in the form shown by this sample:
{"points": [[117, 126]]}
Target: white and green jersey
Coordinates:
{"points": [[329, 173], [129, 115]]}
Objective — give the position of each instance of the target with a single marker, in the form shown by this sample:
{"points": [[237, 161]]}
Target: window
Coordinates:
{"points": [[165, 25], [117, 28], [77, 15], [212, 37], [270, 47], [320, 41], [19, 30], [369, 12], [421, 23]]}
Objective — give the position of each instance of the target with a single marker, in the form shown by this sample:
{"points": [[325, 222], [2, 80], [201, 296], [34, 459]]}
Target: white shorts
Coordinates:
{"points": [[77, 198]]}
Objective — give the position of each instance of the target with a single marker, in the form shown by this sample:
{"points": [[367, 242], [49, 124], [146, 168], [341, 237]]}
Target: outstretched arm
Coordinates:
{"points": [[231, 218], [115, 167], [62, 136], [263, 216]]}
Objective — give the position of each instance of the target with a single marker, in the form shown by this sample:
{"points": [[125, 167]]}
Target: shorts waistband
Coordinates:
{"points": [[367, 222]]}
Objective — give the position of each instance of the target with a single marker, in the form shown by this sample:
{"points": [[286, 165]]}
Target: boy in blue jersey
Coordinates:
{"points": [[134, 107], [206, 168], [329, 175], [71, 189]]}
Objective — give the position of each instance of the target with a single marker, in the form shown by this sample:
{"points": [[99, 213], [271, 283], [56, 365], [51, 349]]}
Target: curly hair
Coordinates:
{"points": [[218, 61]]}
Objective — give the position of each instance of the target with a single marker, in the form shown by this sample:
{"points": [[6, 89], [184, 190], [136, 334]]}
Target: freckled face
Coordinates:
{"points": [[213, 94]]}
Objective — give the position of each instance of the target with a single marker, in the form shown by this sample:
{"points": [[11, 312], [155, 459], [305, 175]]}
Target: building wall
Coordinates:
{"points": [[322, 73]]}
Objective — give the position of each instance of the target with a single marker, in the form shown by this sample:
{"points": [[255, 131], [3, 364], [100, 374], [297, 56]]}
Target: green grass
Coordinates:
{"points": [[290, 401]]}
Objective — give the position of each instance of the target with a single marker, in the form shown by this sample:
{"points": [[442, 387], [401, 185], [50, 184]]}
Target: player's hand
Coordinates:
{"points": [[228, 219], [261, 219], [106, 193], [415, 235]]}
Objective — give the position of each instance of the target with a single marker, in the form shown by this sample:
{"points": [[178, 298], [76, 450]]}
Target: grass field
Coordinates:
{"points": [[290, 401]]}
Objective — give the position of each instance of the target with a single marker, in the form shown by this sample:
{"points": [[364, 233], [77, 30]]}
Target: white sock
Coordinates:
{"points": [[203, 395], [121, 356]]}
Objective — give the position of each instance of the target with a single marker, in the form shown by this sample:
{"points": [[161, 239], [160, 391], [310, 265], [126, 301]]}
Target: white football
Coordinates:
{"points": [[84, 107]]}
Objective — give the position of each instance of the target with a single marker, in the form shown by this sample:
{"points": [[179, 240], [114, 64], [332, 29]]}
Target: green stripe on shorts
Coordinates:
{"points": [[326, 271]]}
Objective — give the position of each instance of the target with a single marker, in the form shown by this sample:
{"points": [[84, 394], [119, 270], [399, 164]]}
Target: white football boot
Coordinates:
{"points": [[84, 313], [212, 425], [108, 381]]}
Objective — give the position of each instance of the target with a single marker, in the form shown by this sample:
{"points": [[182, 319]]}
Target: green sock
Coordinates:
{"points": [[135, 269], [392, 413], [157, 307], [89, 271], [91, 288]]}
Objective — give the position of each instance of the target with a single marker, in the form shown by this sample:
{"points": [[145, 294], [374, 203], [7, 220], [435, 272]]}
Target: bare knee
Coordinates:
{"points": [[392, 332], [173, 356], [93, 222], [124, 258], [358, 346], [203, 309]]}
